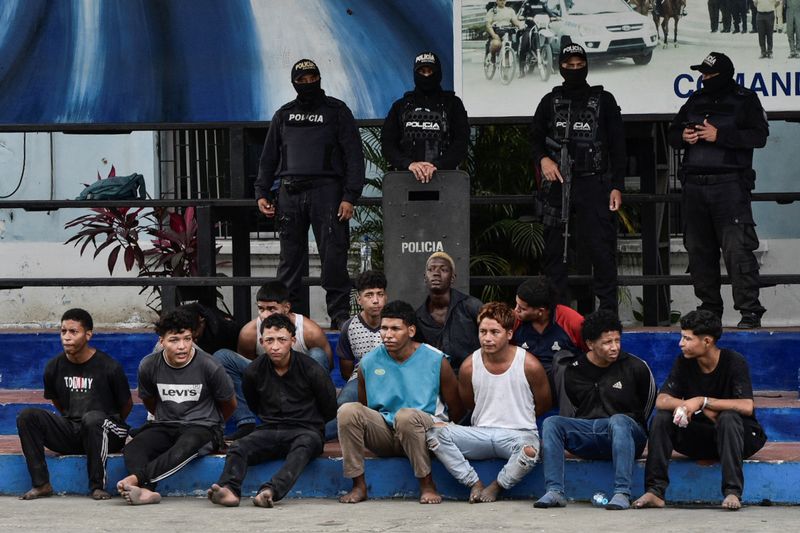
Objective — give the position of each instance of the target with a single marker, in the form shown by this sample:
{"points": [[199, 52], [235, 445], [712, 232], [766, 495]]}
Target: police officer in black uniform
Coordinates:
{"points": [[427, 129], [314, 148], [596, 144], [718, 127]]}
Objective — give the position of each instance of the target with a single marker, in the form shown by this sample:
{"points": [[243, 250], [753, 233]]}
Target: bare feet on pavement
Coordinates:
{"points": [[222, 496], [131, 480], [139, 496], [475, 492], [648, 500], [264, 499], [427, 490], [358, 493], [38, 492], [731, 503], [491, 492], [100, 494]]}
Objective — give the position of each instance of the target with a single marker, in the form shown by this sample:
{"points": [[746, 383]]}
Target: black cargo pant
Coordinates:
{"points": [[160, 450], [717, 215], [731, 440], [595, 228], [297, 446], [316, 206], [97, 434]]}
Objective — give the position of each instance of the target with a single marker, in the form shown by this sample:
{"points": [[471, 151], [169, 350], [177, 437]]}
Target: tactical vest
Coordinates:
{"points": [[310, 143], [425, 129], [588, 152], [721, 112]]}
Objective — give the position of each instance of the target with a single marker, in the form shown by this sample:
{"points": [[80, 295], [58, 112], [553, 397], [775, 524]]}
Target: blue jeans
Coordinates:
{"points": [[349, 393], [235, 364], [453, 445], [619, 438]]}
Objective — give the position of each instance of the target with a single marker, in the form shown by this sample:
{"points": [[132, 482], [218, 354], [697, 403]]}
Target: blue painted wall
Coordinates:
{"points": [[774, 358]]}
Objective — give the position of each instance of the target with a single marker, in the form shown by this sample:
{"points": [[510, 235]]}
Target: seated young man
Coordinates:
{"points": [[360, 335], [271, 298], [705, 411], [401, 385], [294, 397], [506, 388], [190, 396], [544, 327], [609, 395], [447, 319], [92, 394]]}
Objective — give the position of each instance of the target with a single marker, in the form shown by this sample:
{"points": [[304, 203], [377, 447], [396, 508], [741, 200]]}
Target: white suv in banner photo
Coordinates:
{"points": [[607, 29]]}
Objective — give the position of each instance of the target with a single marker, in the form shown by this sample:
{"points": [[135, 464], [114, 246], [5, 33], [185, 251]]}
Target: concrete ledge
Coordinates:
{"points": [[773, 480]]}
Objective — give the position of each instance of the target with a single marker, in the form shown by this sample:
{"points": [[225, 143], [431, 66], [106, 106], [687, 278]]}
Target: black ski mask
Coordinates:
{"points": [[573, 78], [307, 93], [432, 83], [719, 64]]}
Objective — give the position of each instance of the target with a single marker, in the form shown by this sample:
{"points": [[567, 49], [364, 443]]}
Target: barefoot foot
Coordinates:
{"points": [[475, 492], [38, 492], [358, 493], [139, 496], [100, 494], [648, 500], [131, 480], [264, 499], [491, 492], [222, 496], [427, 490], [731, 503]]}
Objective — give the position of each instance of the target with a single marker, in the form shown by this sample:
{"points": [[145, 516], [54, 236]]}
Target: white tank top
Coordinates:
{"points": [[504, 400], [299, 342]]}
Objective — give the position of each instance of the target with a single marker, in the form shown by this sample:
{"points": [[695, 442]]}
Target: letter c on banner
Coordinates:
{"points": [[680, 78]]}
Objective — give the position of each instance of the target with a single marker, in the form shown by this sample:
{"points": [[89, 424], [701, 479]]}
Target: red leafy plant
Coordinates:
{"points": [[172, 237]]}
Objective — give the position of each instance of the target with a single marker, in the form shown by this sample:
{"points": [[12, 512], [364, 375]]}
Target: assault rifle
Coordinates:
{"points": [[565, 167]]}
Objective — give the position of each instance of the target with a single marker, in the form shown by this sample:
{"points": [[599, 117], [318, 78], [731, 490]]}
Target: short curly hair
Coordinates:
{"points": [[599, 322], [499, 312]]}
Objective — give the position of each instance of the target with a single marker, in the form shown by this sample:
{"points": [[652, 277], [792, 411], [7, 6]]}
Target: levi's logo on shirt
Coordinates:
{"points": [[78, 383], [179, 393]]}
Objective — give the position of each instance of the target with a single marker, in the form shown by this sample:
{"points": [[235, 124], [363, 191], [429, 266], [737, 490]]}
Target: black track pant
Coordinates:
{"points": [[160, 450], [731, 440], [97, 434], [595, 228], [298, 446], [318, 208]]}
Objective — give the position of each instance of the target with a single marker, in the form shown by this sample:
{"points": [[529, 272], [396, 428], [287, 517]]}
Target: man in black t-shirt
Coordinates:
{"points": [[190, 396], [608, 396], [705, 411], [294, 397], [91, 392]]}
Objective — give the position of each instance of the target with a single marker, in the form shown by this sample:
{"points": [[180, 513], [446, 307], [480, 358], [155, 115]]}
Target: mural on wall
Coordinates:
{"points": [[193, 61]]}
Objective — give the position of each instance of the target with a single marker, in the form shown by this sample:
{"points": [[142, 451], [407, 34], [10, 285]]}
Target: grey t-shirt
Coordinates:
{"points": [[185, 395]]}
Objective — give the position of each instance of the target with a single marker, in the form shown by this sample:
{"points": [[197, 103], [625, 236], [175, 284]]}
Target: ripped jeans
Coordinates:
{"points": [[453, 445]]}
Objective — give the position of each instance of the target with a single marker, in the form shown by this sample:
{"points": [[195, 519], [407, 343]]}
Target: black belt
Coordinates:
{"points": [[298, 185], [712, 179]]}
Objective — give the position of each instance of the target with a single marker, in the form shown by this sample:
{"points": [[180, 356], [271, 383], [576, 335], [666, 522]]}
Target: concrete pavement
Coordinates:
{"points": [[81, 514]]}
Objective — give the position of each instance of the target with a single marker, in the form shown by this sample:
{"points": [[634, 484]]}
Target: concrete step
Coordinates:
{"points": [[770, 475]]}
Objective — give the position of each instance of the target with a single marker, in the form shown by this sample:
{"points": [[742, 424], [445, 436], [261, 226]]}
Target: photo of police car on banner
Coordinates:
{"points": [[626, 52]]}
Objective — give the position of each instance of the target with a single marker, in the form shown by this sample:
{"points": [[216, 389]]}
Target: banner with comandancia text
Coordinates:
{"points": [[648, 74]]}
